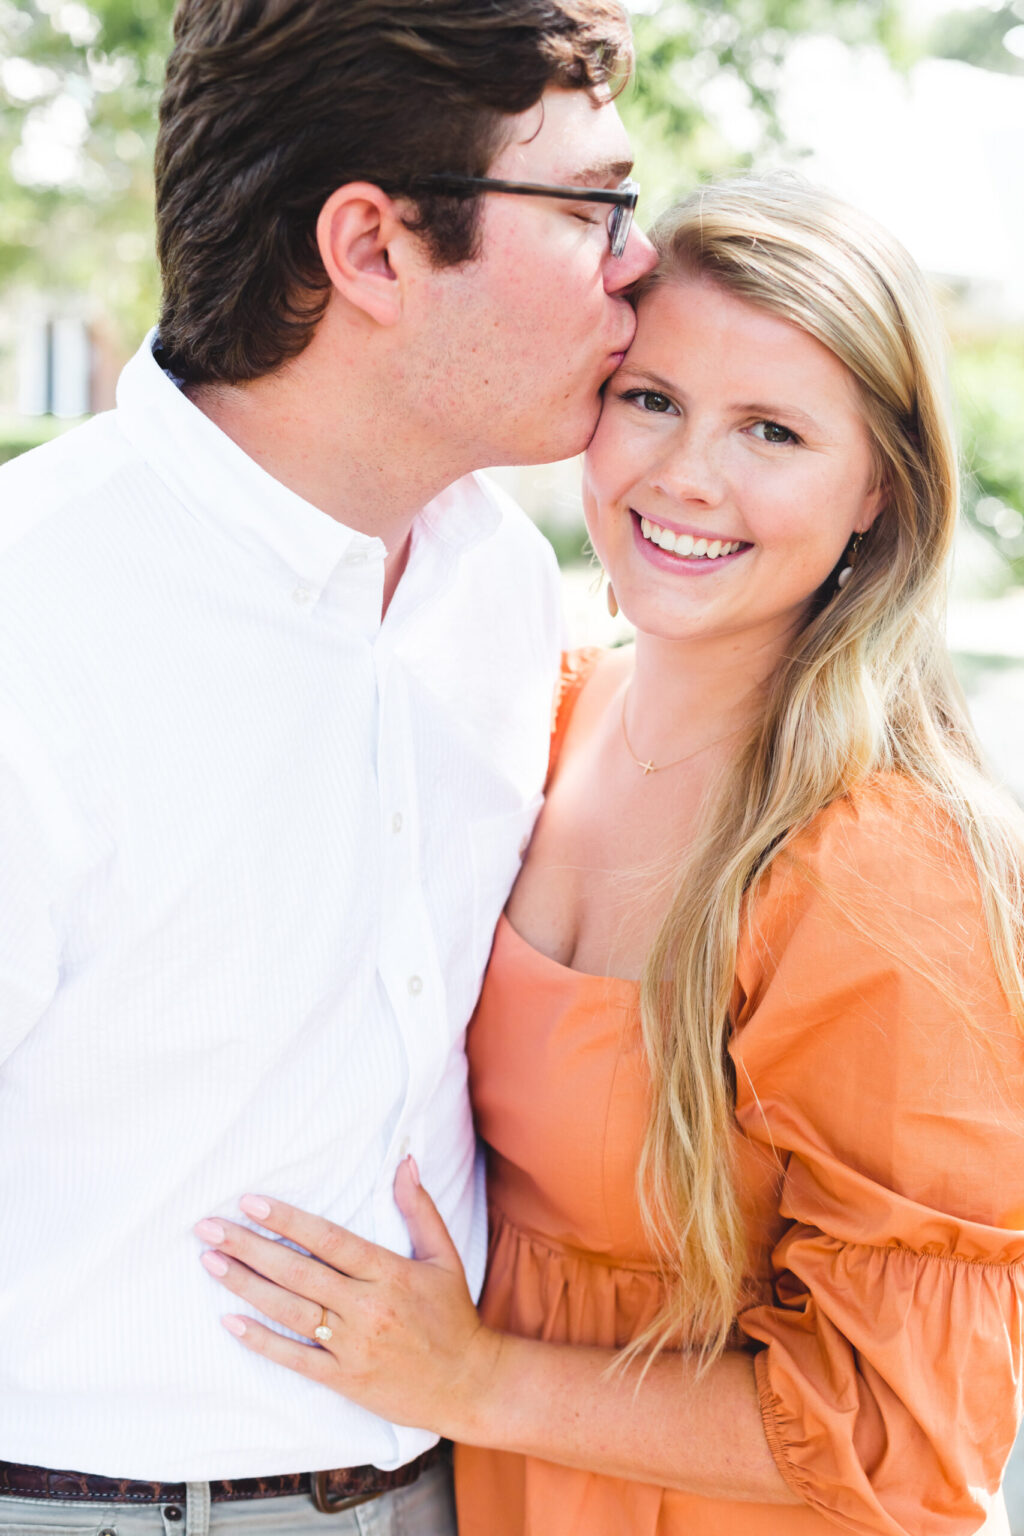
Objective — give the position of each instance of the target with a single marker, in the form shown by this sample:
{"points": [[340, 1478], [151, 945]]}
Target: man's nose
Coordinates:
{"points": [[636, 261]]}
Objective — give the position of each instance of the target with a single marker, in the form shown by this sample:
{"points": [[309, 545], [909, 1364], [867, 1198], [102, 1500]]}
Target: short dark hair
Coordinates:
{"points": [[270, 105]]}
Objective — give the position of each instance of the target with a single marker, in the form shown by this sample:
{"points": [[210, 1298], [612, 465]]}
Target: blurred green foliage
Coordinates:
{"points": [[20, 433], [988, 375], [693, 54], [981, 35], [80, 219]]}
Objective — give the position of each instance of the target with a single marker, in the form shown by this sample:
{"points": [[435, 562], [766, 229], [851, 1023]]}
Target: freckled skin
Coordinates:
{"points": [[545, 291], [713, 381]]}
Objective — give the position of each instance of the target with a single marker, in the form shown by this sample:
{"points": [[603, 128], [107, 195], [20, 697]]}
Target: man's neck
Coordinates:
{"points": [[333, 440]]}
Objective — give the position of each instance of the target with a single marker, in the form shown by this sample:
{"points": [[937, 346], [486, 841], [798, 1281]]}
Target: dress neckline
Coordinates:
{"points": [[566, 971]]}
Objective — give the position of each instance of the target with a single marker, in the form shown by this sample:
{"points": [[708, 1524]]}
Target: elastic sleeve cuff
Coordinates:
{"points": [[794, 1478]]}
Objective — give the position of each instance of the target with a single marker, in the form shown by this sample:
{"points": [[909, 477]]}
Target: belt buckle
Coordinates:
{"points": [[327, 1504]]}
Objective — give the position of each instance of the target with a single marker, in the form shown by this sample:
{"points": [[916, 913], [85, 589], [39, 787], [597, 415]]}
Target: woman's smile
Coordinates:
{"points": [[732, 446], [694, 551]]}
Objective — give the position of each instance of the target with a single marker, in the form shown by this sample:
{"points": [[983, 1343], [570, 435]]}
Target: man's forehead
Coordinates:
{"points": [[579, 141]]}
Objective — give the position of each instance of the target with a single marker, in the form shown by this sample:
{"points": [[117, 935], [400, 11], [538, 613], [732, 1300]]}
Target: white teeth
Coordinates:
{"points": [[685, 544]]}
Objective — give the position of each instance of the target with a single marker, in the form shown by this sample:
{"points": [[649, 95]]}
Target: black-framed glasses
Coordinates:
{"points": [[623, 198]]}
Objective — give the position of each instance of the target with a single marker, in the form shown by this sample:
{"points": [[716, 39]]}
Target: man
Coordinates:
{"points": [[275, 676]]}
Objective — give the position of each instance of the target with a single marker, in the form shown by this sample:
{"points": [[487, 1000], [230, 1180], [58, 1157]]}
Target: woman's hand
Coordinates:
{"points": [[405, 1339], [407, 1343]]}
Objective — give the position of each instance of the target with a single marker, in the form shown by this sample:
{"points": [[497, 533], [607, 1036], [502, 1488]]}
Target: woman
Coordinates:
{"points": [[748, 1059]]}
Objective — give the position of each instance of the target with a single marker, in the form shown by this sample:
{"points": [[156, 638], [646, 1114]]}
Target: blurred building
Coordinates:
{"points": [[56, 356]]}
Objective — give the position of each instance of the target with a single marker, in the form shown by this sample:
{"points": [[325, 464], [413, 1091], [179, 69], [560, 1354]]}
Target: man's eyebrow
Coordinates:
{"points": [[606, 173]]}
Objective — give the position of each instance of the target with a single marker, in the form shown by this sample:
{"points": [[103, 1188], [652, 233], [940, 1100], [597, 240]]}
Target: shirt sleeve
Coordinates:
{"points": [[879, 1066]]}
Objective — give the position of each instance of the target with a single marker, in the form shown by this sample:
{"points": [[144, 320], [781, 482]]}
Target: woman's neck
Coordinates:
{"points": [[684, 695]]}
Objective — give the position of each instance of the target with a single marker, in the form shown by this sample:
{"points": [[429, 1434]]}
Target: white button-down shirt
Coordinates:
{"points": [[253, 843]]}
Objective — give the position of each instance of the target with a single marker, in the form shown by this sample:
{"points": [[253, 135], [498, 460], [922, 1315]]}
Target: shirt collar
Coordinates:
{"points": [[216, 480], [212, 475]]}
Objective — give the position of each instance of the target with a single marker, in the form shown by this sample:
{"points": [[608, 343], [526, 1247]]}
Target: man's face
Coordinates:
{"points": [[520, 340]]}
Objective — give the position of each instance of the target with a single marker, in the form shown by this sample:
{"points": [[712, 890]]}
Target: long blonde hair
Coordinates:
{"points": [[865, 687]]}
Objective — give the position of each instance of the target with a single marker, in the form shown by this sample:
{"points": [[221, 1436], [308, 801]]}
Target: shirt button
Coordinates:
{"points": [[396, 822], [302, 597], [403, 1148], [415, 985]]}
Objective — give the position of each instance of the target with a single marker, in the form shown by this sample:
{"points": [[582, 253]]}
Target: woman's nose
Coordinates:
{"points": [[689, 472]]}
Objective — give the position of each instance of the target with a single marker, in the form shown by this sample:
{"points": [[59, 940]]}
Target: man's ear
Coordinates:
{"points": [[356, 225]]}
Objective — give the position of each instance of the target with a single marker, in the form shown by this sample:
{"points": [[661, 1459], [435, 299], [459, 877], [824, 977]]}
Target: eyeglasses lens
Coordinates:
{"points": [[619, 222]]}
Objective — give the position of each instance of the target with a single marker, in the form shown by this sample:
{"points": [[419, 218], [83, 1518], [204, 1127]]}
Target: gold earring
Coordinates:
{"points": [[851, 560], [612, 601]]}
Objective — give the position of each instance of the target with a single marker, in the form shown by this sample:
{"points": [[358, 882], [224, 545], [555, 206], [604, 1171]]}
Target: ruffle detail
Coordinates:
{"points": [[538, 1290], [873, 1355]]}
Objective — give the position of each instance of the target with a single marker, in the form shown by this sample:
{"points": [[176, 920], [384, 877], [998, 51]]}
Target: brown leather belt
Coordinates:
{"points": [[330, 1491]]}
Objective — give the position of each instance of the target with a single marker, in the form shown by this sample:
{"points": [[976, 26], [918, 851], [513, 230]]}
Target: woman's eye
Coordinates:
{"points": [[649, 400], [772, 432]]}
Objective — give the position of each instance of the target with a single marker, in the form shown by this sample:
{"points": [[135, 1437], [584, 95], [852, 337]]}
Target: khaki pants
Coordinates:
{"points": [[425, 1508]]}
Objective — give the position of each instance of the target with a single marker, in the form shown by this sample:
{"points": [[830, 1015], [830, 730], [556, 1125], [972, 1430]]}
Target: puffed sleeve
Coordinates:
{"points": [[877, 1062]]}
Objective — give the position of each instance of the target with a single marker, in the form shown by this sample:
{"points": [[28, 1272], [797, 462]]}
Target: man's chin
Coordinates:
{"points": [[566, 438]]}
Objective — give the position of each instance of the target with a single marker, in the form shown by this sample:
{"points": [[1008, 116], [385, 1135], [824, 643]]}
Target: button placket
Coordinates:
{"points": [[407, 959]]}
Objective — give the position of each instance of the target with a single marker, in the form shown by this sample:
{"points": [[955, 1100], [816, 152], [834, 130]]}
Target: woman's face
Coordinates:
{"points": [[729, 470]]}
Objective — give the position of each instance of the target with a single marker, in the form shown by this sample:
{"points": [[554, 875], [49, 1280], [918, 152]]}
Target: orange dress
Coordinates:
{"points": [[880, 1158]]}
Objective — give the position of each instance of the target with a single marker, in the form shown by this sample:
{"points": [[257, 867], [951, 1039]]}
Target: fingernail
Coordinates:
{"points": [[234, 1325], [214, 1262], [255, 1205], [210, 1231], [413, 1170]]}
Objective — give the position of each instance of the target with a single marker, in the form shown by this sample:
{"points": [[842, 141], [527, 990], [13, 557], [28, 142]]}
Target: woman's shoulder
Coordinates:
{"points": [[879, 890], [592, 670], [577, 666], [876, 836], [871, 1027]]}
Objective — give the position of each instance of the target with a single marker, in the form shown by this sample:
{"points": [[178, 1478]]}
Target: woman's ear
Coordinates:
{"points": [[356, 226], [874, 503]]}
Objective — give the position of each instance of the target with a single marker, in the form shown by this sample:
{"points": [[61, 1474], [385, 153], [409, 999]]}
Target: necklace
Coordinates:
{"points": [[649, 767]]}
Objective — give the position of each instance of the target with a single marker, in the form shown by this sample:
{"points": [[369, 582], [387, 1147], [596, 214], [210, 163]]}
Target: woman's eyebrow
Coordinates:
{"points": [[649, 377], [770, 412]]}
